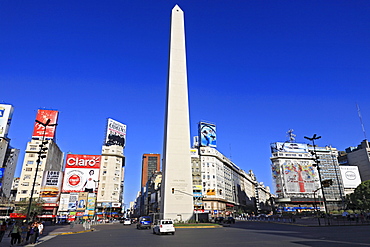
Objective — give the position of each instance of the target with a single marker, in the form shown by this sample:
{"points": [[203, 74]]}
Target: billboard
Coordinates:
{"points": [[351, 176], [81, 173], [2, 170], [82, 201], [207, 134], [91, 200], [51, 185], [116, 133], [6, 112], [63, 202], [72, 202], [43, 116], [289, 147], [297, 176]]}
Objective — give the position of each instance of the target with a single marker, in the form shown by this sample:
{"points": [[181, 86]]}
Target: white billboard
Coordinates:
{"points": [[289, 147], [116, 133], [6, 112], [351, 176]]}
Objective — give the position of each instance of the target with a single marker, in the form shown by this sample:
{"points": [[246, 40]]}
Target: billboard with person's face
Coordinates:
{"points": [[81, 173]]}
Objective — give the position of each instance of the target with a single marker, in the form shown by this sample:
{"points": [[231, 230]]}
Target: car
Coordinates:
{"points": [[219, 220], [127, 222], [164, 227], [144, 223], [230, 220]]}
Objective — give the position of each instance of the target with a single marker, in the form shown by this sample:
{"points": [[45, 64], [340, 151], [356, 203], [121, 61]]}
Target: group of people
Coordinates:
{"points": [[22, 233]]}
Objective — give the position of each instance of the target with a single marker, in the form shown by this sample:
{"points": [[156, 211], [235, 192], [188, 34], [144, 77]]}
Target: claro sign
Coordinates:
{"points": [[81, 173], [83, 161]]}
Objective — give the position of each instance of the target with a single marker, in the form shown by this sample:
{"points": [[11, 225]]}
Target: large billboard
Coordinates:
{"points": [[115, 134], [51, 186], [207, 134], [351, 176], [81, 173], [296, 176], [43, 116], [289, 147], [6, 112]]}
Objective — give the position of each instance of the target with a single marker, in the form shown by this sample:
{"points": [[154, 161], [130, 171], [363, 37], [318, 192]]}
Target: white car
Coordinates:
{"points": [[164, 226], [127, 222]]}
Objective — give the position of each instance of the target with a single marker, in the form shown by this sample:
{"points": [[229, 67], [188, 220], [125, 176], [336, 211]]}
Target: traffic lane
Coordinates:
{"points": [[351, 235], [118, 235]]}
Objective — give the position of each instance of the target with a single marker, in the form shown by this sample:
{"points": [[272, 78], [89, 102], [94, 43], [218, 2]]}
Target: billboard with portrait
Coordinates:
{"points": [[115, 134], [351, 176], [289, 147], [81, 173], [43, 116], [207, 134], [6, 112], [51, 186]]}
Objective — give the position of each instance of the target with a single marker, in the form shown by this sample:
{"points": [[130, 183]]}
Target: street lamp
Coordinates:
{"points": [[313, 138], [41, 155]]}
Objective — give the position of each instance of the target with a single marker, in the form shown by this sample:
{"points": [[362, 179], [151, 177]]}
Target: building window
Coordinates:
{"points": [[27, 177], [26, 184], [24, 191], [31, 155], [28, 169]]}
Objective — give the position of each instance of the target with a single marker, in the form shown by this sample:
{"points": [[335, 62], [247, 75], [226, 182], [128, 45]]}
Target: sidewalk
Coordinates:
{"points": [[50, 232]]}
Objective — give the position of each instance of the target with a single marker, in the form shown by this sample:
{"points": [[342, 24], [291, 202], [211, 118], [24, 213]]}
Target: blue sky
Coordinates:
{"points": [[255, 68]]}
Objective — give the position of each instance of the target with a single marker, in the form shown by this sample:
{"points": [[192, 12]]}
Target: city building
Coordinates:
{"points": [[149, 165], [359, 156], [297, 181]]}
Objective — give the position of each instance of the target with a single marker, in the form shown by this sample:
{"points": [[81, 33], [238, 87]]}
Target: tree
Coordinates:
{"points": [[361, 196], [36, 207]]}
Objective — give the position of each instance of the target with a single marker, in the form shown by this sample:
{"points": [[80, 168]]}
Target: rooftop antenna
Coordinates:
{"points": [[230, 151], [362, 124], [290, 135]]}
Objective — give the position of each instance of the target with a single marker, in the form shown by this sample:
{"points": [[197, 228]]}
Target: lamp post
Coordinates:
{"points": [[313, 138], [41, 155]]}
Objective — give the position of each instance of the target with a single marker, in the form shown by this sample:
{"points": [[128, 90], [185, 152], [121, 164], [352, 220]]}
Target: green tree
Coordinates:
{"points": [[36, 207], [361, 196]]}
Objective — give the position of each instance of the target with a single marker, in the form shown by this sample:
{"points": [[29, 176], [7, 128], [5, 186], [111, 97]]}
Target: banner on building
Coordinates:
{"points": [[207, 134], [289, 147], [2, 170], [351, 176], [116, 133], [63, 202], [43, 116], [82, 201], [51, 186], [81, 173], [91, 200], [72, 203], [6, 113]]}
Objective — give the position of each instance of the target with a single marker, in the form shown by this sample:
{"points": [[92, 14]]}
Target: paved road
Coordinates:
{"points": [[239, 234]]}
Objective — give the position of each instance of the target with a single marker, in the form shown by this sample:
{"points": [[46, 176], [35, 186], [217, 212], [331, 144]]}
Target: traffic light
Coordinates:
{"points": [[173, 190]]}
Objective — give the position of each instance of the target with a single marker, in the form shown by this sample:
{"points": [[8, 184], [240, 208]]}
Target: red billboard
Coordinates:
{"points": [[43, 116], [81, 173]]}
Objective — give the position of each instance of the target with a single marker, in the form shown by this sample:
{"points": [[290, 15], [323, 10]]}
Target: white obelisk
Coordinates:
{"points": [[177, 186]]}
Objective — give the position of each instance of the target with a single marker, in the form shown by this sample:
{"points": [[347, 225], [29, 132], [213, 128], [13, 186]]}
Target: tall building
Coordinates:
{"points": [[42, 154], [111, 178], [297, 180], [150, 164], [176, 190], [360, 156]]}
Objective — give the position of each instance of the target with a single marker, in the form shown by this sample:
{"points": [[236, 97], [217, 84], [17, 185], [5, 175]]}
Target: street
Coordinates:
{"points": [[242, 233]]}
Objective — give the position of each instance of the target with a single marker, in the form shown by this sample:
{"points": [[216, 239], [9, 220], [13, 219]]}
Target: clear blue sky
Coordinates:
{"points": [[255, 68]]}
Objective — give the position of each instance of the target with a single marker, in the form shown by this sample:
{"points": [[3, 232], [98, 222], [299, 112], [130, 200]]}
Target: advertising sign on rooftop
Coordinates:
{"points": [[6, 112], [207, 134], [289, 147], [43, 116], [81, 173], [51, 185], [116, 133]]}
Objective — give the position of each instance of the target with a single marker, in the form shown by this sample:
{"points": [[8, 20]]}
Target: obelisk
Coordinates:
{"points": [[176, 188]]}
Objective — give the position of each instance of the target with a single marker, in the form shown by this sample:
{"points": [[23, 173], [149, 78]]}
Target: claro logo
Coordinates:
{"points": [[350, 175], [79, 161]]}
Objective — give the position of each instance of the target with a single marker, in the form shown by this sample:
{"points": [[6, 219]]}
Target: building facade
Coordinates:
{"points": [[149, 165]]}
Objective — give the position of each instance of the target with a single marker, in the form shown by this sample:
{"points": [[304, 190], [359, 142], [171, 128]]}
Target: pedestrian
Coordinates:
{"points": [[15, 234], [24, 231], [41, 229], [34, 233], [72, 224], [2, 230]]}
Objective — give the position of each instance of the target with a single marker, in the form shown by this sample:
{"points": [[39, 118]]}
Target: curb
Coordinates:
{"points": [[68, 233]]}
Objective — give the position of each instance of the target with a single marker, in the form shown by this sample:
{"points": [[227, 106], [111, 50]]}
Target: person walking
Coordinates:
{"points": [[15, 234], [34, 233], [41, 229], [24, 231]]}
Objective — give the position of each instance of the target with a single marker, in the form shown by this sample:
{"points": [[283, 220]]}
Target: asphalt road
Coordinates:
{"points": [[239, 234]]}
